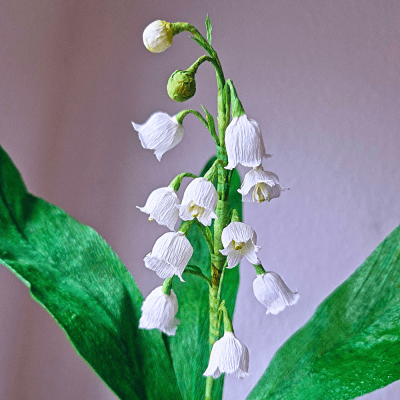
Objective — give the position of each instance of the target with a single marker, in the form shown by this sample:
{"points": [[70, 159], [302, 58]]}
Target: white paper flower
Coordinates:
{"points": [[199, 201], [272, 292], [170, 255], [244, 143], [161, 207], [160, 133], [157, 36], [239, 240], [228, 355], [259, 185], [158, 312]]}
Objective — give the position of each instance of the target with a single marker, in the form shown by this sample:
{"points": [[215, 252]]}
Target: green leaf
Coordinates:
{"points": [[204, 44], [78, 278], [351, 346], [190, 347], [210, 121], [209, 29]]}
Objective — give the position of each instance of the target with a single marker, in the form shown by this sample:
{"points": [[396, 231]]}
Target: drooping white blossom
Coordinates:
{"points": [[239, 240], [228, 355], [159, 310], [170, 255], [160, 133], [259, 185], [244, 143], [157, 36], [161, 207], [272, 292], [199, 201]]}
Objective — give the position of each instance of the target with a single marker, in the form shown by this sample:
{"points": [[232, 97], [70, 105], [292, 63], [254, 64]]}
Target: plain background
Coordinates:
{"points": [[321, 77]]}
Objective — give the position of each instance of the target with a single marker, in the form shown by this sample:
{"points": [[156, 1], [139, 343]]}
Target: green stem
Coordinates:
{"points": [[180, 116], [207, 235], [184, 26], [185, 227], [209, 388], [217, 260], [195, 66], [167, 286], [237, 107], [197, 273], [176, 182], [227, 321], [211, 174], [221, 281], [259, 269]]}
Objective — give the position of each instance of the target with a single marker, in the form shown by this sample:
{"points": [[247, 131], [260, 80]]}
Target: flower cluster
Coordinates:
{"points": [[243, 144]]}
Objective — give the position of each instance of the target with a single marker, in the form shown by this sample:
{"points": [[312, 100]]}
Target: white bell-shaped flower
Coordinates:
{"points": [[160, 133], [244, 143], [199, 201], [259, 185], [161, 207], [157, 36], [239, 240], [228, 355], [272, 292], [158, 312], [170, 255]]}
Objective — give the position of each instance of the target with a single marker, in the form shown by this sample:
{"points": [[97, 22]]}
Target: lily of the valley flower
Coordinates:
{"points": [[158, 312], [199, 201], [259, 185], [272, 292], [157, 36], [160, 133], [161, 207], [244, 143], [170, 255], [239, 240], [228, 355]]}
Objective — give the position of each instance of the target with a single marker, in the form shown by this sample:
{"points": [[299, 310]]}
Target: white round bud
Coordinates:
{"points": [[157, 36]]}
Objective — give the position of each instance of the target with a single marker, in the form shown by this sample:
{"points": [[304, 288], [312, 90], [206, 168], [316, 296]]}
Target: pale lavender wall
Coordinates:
{"points": [[321, 77]]}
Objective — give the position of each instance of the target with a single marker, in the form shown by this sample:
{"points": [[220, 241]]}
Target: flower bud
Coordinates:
{"points": [[271, 291], [181, 85], [259, 185], [199, 201], [161, 207], [239, 240], [158, 312], [244, 143], [228, 355], [160, 133], [170, 255], [157, 36]]}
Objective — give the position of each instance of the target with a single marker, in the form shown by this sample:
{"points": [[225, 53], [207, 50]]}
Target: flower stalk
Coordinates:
{"points": [[238, 140]]}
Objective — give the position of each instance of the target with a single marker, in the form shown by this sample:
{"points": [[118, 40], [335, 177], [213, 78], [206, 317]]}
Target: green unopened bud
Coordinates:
{"points": [[181, 85]]}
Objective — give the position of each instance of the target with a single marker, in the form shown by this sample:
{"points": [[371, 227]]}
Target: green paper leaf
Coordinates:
{"points": [[210, 121], [351, 346], [77, 277], [209, 29], [190, 347], [204, 44]]}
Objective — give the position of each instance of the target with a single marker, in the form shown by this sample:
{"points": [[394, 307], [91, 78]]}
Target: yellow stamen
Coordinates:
{"points": [[238, 245], [195, 210], [258, 194]]}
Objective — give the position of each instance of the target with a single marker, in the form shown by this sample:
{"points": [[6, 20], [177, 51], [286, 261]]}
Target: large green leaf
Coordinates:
{"points": [[78, 278], [351, 345], [190, 346]]}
